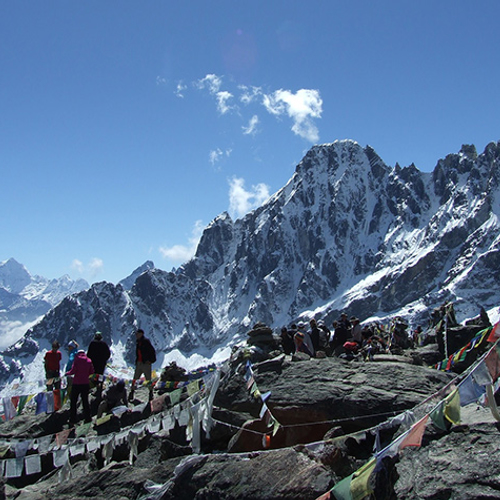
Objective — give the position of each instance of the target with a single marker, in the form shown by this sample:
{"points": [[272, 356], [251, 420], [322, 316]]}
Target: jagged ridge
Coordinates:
{"points": [[346, 232]]}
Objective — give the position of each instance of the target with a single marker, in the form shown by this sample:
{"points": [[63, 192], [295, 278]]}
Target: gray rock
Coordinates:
{"points": [[462, 464]]}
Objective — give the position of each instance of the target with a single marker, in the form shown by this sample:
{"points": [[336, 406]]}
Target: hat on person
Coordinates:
{"points": [[98, 335], [72, 344]]}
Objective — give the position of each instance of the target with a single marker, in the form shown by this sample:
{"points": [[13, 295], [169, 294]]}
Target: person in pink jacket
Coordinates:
{"points": [[81, 370]]}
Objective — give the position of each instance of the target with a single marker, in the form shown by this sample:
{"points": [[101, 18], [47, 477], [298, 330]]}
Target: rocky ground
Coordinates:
{"points": [[330, 401]]}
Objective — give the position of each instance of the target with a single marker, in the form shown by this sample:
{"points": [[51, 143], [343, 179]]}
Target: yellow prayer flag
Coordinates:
{"points": [[103, 420], [452, 407], [360, 487], [193, 387]]}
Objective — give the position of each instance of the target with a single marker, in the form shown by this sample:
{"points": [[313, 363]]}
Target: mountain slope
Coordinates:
{"points": [[25, 298], [347, 232]]}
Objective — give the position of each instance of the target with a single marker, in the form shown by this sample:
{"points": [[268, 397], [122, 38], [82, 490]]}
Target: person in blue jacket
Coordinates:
{"points": [[72, 350]]}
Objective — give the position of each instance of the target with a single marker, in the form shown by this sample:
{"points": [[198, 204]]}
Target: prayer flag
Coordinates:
{"points": [[469, 391], [22, 448], [495, 333], [342, 490], [193, 387], [175, 396], [250, 382], [14, 467], [452, 407], [60, 457], [437, 417], [22, 403], [8, 408], [360, 483], [83, 429], [481, 375], [62, 437], [104, 419], [50, 402], [325, 496], [492, 361], [33, 464], [414, 437]]}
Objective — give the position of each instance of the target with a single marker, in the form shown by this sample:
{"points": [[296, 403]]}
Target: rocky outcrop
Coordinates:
{"points": [[324, 408]]}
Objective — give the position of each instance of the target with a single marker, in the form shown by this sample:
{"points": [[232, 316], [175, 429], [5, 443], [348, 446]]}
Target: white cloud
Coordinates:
{"points": [[183, 253], [213, 83], [302, 107], [242, 201], [93, 268], [217, 154], [78, 266], [160, 80], [96, 266], [13, 331], [222, 101], [249, 94], [179, 91], [251, 129]]}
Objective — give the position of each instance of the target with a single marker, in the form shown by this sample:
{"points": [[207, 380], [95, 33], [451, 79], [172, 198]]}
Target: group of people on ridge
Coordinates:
{"points": [[82, 366], [347, 338]]}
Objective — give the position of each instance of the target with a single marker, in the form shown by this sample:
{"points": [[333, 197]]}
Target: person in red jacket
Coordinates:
{"points": [[52, 360], [81, 370]]}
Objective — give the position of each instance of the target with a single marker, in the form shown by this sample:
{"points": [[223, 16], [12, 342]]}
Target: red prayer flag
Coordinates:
{"points": [[414, 437], [494, 333]]}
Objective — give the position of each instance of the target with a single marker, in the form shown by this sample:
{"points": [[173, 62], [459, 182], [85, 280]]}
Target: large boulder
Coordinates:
{"points": [[308, 398], [462, 464]]}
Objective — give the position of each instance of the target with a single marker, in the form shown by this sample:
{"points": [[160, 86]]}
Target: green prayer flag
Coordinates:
{"points": [[22, 403], [342, 490], [175, 396], [437, 417], [82, 430]]}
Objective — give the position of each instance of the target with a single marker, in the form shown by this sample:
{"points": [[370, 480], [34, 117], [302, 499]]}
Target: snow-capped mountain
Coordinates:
{"points": [[25, 298], [346, 233], [128, 282]]}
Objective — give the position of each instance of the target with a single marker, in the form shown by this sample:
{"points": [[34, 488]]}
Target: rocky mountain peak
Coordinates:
{"points": [[346, 232], [14, 277]]}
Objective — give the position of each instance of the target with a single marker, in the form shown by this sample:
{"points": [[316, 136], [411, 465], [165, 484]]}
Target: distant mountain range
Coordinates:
{"points": [[25, 298], [346, 233]]}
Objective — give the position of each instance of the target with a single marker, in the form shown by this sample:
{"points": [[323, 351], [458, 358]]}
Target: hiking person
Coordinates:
{"points": [[306, 339], [356, 330], [113, 396], [99, 353], [324, 339], [81, 370], [145, 356], [300, 345], [52, 367], [72, 350], [287, 341], [314, 334], [341, 333]]}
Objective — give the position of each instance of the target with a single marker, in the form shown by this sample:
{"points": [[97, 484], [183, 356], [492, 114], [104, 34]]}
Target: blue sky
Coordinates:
{"points": [[126, 126]]}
